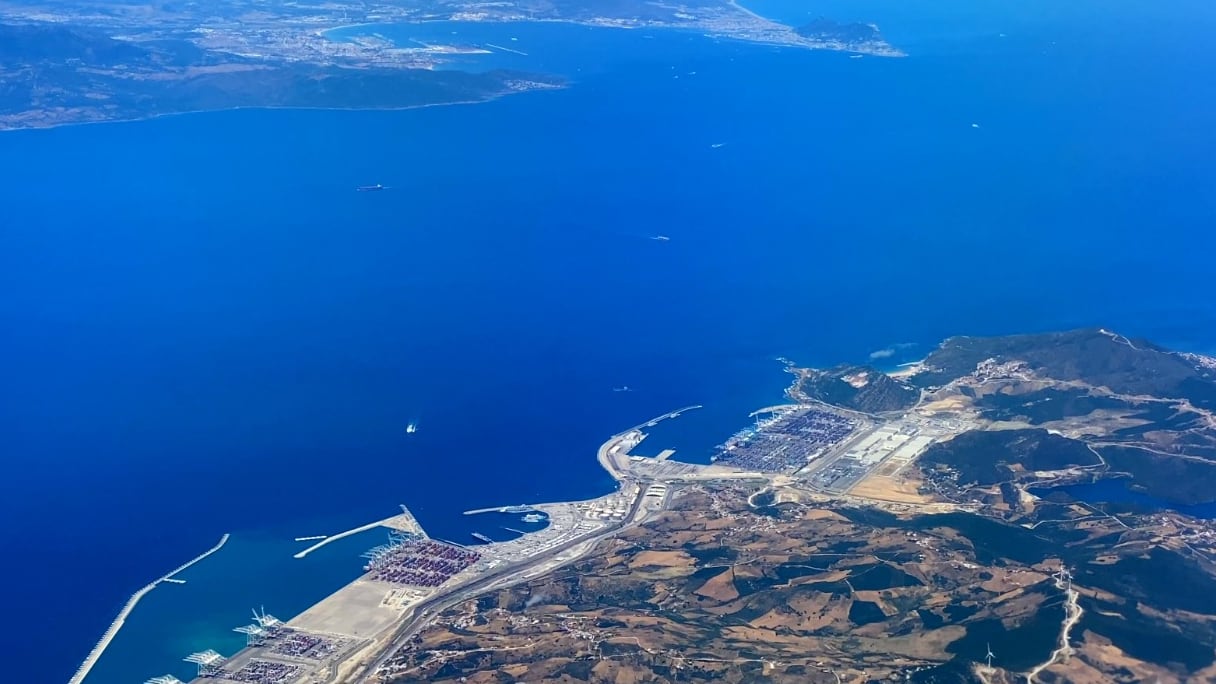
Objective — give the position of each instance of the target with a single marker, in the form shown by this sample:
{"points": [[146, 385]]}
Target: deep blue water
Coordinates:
{"points": [[205, 329]]}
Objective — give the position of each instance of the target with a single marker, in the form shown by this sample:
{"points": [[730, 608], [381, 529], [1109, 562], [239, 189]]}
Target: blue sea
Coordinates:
{"points": [[206, 330]]}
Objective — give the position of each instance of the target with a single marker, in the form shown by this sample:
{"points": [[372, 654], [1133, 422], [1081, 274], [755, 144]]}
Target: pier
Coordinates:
{"points": [[779, 408], [405, 522], [340, 535], [507, 49], [501, 509], [112, 631], [655, 421]]}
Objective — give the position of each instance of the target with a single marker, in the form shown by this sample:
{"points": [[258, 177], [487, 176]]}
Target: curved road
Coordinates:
{"points": [[417, 616]]}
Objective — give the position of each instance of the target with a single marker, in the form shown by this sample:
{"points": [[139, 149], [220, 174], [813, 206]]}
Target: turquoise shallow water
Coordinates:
{"points": [[209, 330], [254, 570]]}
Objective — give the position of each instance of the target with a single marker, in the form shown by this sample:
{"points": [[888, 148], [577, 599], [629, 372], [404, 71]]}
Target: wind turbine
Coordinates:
{"points": [[991, 655]]}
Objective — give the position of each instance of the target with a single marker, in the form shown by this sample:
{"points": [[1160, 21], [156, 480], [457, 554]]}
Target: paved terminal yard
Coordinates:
{"points": [[677, 471], [349, 630], [355, 629], [281, 655], [361, 609], [832, 451], [567, 521], [884, 451], [788, 440], [338, 631]]}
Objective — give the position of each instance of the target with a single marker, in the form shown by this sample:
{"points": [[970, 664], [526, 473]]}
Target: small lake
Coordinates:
{"points": [[1120, 491]]}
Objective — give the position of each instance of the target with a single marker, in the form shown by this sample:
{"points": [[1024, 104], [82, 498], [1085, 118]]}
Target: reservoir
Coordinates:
{"points": [[1121, 492]]}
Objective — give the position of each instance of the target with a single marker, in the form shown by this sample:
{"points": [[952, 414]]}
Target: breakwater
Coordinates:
{"points": [[405, 522], [112, 630]]}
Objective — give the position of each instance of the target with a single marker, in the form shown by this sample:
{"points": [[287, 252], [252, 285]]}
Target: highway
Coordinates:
{"points": [[417, 616]]}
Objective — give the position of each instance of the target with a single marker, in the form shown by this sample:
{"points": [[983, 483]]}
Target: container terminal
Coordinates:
{"points": [[340, 637], [351, 635]]}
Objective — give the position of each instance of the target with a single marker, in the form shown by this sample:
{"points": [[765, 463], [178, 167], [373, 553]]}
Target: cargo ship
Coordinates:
{"points": [[483, 538], [370, 188]]}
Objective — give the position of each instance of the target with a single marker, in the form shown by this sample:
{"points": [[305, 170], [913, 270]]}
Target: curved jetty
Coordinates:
{"points": [[501, 509], [112, 631], [655, 421], [405, 522], [336, 537]]}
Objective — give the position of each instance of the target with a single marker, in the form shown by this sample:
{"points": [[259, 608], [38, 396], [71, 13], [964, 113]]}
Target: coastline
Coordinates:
{"points": [[906, 370], [735, 4], [796, 42], [153, 117], [389, 613], [708, 30], [560, 553], [323, 33]]}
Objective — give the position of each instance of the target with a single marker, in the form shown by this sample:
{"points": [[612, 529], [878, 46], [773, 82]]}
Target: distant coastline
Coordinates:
{"points": [[346, 71], [795, 42], [165, 115]]}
